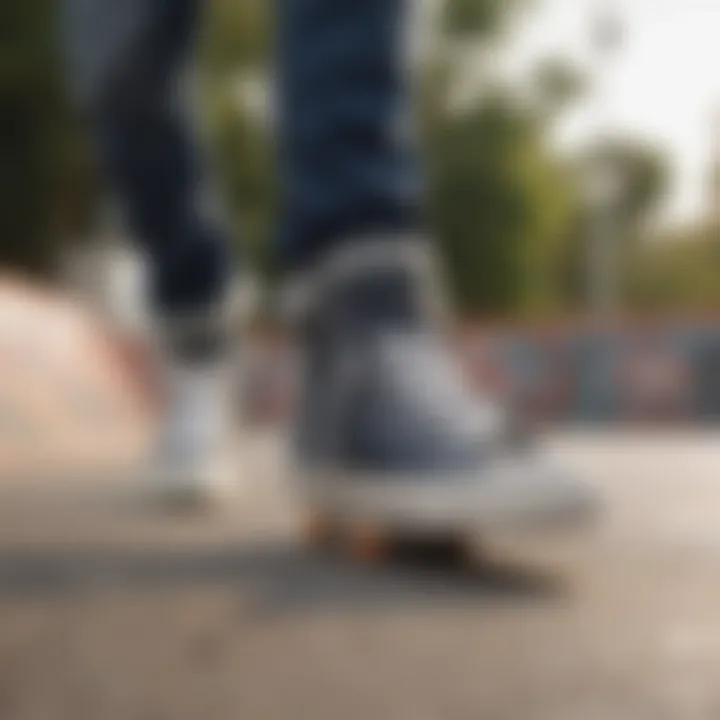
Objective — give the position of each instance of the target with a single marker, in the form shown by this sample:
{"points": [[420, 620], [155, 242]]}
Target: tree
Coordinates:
{"points": [[641, 174], [234, 67], [476, 19], [676, 272], [557, 85], [499, 206], [637, 174], [45, 185], [500, 197]]}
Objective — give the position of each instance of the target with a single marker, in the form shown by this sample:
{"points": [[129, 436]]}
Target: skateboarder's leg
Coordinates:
{"points": [[386, 428], [346, 154], [128, 61], [127, 66]]}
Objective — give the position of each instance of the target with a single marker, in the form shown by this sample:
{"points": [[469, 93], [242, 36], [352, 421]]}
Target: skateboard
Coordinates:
{"points": [[377, 543]]}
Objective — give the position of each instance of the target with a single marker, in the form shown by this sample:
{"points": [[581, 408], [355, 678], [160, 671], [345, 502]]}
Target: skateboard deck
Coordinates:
{"points": [[375, 542]]}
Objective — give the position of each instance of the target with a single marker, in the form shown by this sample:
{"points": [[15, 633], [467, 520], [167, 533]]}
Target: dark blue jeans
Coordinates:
{"points": [[346, 168]]}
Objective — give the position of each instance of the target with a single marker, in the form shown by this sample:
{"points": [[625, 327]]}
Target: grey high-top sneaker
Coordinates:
{"points": [[387, 430]]}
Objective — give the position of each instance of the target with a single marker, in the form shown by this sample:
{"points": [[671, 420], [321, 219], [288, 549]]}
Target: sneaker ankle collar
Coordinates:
{"points": [[356, 260]]}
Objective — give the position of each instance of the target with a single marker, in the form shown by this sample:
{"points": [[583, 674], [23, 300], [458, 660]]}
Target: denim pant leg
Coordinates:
{"points": [[347, 164], [127, 61]]}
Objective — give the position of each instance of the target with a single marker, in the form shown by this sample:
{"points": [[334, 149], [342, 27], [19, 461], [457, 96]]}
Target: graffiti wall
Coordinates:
{"points": [[662, 373]]}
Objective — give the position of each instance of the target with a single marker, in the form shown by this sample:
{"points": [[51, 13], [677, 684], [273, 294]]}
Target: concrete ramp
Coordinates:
{"points": [[72, 398]]}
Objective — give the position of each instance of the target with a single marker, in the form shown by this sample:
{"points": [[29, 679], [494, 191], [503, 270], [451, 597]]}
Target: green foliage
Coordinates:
{"points": [[677, 272], [237, 35], [474, 19], [500, 199], [45, 186], [557, 85], [498, 205], [234, 60]]}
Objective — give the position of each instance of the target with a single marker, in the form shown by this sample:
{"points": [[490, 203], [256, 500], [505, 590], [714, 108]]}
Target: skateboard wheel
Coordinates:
{"points": [[367, 544]]}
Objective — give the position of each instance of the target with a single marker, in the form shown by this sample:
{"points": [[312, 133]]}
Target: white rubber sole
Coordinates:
{"points": [[212, 486], [515, 496]]}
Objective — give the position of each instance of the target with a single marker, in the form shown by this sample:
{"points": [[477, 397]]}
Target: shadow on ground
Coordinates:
{"points": [[280, 577]]}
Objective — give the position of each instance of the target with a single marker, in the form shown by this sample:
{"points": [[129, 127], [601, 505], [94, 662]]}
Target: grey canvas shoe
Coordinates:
{"points": [[387, 431]]}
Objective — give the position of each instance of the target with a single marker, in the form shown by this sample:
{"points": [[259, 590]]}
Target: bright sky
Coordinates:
{"points": [[663, 84]]}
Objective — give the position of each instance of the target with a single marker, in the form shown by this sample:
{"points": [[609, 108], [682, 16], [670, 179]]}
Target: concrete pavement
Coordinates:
{"points": [[108, 611]]}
